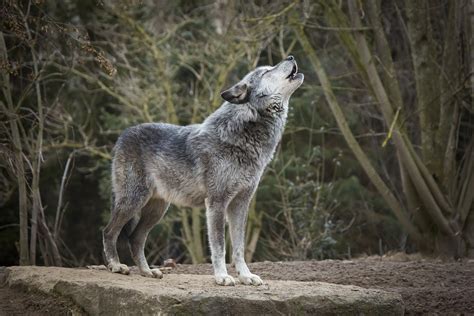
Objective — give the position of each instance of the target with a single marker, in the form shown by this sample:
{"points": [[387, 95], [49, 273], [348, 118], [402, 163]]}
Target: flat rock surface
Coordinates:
{"points": [[104, 293]]}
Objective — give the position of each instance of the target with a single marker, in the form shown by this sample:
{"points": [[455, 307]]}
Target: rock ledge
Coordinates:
{"points": [[104, 293]]}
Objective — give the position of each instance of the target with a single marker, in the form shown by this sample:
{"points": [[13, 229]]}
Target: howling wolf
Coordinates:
{"points": [[216, 164]]}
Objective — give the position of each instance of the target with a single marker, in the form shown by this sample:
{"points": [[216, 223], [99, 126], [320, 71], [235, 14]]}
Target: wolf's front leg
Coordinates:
{"points": [[215, 213], [237, 216]]}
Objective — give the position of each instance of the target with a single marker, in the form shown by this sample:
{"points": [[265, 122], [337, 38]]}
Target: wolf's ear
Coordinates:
{"points": [[238, 94]]}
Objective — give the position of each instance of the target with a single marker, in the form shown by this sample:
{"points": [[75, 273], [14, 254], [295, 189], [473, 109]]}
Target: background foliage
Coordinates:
{"points": [[76, 73]]}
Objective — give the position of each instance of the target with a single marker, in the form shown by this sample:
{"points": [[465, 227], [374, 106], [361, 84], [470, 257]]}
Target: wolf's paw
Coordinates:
{"points": [[118, 268], [152, 273], [225, 280], [250, 279]]}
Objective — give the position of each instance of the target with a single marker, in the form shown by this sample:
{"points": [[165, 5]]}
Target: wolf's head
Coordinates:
{"points": [[266, 85]]}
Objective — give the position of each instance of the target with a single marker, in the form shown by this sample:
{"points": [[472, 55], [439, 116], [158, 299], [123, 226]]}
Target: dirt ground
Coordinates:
{"points": [[427, 286]]}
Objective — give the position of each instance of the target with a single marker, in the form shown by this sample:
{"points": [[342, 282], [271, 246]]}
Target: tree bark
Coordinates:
{"points": [[19, 167], [423, 52], [192, 234], [426, 188], [390, 81], [374, 177], [451, 80], [254, 227], [197, 234], [47, 237]]}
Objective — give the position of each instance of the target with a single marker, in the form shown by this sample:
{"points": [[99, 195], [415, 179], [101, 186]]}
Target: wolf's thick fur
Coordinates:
{"points": [[216, 164]]}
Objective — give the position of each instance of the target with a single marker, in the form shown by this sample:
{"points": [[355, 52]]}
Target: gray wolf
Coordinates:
{"points": [[216, 164]]}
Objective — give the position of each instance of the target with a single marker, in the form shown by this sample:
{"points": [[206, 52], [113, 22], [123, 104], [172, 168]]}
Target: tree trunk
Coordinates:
{"points": [[425, 197], [423, 52], [449, 106], [197, 234], [18, 160], [23, 207], [379, 184], [390, 81], [34, 227], [427, 189], [254, 227], [192, 235], [48, 238]]}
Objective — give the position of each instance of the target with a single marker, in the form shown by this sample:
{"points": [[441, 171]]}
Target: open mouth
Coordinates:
{"points": [[293, 72]]}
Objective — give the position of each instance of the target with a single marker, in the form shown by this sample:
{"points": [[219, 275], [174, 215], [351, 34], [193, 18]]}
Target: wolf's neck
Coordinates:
{"points": [[258, 132]]}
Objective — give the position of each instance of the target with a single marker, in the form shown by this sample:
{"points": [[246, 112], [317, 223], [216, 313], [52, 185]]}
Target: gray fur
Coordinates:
{"points": [[216, 164]]}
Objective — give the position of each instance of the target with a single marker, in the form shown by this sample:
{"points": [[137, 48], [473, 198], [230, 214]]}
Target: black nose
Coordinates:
{"points": [[290, 58]]}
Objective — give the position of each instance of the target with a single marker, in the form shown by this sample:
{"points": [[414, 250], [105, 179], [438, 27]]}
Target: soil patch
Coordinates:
{"points": [[426, 285]]}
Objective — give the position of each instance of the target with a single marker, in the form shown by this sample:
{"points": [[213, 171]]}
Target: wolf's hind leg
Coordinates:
{"points": [[124, 209], [152, 213]]}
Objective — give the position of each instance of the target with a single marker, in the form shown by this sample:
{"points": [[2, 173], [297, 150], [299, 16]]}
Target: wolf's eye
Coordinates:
{"points": [[263, 73]]}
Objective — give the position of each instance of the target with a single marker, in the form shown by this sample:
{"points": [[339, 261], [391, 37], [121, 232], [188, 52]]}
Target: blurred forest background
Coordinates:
{"points": [[377, 155]]}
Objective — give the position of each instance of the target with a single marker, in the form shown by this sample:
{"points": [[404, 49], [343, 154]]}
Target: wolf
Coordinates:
{"points": [[216, 164]]}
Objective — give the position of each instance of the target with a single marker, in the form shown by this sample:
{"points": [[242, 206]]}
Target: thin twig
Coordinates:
{"points": [[61, 194]]}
